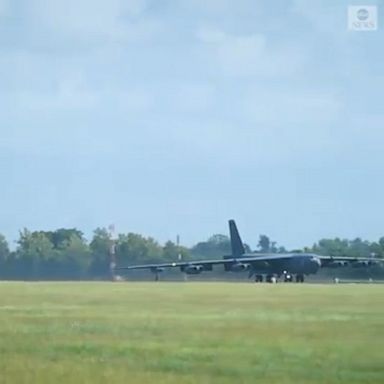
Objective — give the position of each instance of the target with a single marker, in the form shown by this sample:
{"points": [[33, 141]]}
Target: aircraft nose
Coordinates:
{"points": [[316, 263]]}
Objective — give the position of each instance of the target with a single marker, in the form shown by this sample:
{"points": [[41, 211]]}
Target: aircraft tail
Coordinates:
{"points": [[236, 243]]}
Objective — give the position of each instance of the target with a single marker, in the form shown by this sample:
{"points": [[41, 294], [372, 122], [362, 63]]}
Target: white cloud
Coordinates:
{"points": [[250, 55], [223, 8], [89, 80], [325, 17], [266, 127], [297, 121], [242, 55], [210, 35], [132, 100], [38, 85], [292, 106], [93, 20], [193, 97], [72, 96], [67, 97]]}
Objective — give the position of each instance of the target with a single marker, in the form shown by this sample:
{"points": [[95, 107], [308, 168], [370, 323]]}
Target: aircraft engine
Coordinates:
{"points": [[157, 269], [337, 264], [361, 264], [193, 269], [239, 267]]}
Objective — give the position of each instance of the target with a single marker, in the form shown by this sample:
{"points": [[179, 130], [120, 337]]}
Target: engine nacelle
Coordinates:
{"points": [[192, 269], [361, 264], [338, 263], [239, 267], [157, 269]]}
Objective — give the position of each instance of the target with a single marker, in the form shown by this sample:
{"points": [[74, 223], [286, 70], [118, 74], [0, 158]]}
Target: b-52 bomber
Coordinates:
{"points": [[260, 266]]}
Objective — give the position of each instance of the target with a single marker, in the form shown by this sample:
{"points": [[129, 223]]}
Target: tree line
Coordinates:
{"points": [[65, 254]]}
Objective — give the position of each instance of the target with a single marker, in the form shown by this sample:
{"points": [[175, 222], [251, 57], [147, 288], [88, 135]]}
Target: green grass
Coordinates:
{"points": [[191, 333]]}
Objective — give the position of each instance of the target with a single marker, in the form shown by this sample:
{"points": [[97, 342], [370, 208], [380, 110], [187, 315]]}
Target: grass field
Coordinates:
{"points": [[191, 333]]}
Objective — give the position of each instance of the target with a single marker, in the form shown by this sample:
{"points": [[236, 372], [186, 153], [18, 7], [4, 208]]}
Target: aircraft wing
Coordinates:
{"points": [[257, 260], [254, 260], [324, 259], [357, 261], [172, 265]]}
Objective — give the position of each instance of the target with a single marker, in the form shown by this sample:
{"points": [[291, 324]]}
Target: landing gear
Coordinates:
{"points": [[271, 279], [156, 271], [299, 278], [258, 278], [288, 278]]}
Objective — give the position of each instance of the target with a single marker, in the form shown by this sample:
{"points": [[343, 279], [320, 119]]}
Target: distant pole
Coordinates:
{"points": [[179, 256], [178, 247], [112, 251]]}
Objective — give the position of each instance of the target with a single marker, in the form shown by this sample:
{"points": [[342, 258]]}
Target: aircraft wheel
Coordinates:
{"points": [[299, 278], [287, 278], [259, 278], [270, 279]]}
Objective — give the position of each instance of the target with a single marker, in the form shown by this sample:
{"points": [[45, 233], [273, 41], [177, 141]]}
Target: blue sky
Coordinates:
{"points": [[170, 117]]}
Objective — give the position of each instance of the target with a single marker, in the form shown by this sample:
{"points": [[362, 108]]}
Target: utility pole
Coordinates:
{"points": [[179, 256], [178, 247], [112, 251]]}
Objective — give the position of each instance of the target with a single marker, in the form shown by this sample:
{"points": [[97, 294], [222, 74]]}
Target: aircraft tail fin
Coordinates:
{"points": [[236, 243]]}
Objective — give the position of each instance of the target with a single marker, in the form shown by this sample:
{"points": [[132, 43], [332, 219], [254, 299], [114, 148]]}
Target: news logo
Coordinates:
{"points": [[362, 18]]}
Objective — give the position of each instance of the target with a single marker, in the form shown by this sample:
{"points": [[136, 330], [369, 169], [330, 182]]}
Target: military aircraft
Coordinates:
{"points": [[258, 265]]}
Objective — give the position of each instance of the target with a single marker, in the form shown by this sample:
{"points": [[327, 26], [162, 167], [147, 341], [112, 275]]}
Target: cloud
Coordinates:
{"points": [[296, 121], [243, 55], [189, 92], [319, 13], [210, 35], [67, 97], [192, 97], [327, 17], [223, 9], [291, 106], [88, 21], [251, 54], [265, 126]]}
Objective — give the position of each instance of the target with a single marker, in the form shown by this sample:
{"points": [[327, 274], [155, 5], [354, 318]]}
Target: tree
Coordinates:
{"points": [[359, 248], [4, 256], [4, 249], [100, 247], [216, 246], [62, 254], [62, 236], [375, 250], [381, 242], [264, 244], [173, 252], [74, 258], [136, 249], [332, 247], [34, 248]]}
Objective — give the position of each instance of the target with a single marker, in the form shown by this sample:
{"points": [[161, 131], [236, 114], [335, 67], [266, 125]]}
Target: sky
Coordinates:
{"points": [[171, 117]]}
